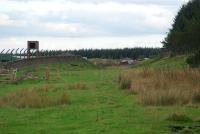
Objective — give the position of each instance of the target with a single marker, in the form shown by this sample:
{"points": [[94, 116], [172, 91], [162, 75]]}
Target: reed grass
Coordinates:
{"points": [[34, 98], [78, 85], [164, 87]]}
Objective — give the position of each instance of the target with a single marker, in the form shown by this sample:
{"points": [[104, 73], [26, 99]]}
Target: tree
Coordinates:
{"points": [[184, 36]]}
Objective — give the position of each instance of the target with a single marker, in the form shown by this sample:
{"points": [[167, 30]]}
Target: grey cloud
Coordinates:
{"points": [[124, 25], [92, 24], [157, 2]]}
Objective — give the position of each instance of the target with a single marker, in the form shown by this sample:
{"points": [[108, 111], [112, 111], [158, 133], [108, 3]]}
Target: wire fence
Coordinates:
{"points": [[7, 55]]}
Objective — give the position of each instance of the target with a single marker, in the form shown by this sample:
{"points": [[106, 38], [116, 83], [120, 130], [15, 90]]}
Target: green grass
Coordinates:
{"points": [[100, 108], [165, 63]]}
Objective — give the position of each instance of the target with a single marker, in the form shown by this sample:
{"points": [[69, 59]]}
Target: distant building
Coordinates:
{"points": [[146, 58], [85, 58], [127, 61]]}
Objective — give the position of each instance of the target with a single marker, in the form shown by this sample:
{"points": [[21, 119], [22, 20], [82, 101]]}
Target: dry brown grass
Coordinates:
{"points": [[58, 75], [78, 85], [47, 74], [164, 87], [124, 81], [33, 98], [65, 99]]}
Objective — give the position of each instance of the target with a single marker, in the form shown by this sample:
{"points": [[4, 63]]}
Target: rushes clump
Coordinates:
{"points": [[78, 85], [64, 99], [47, 74], [34, 98], [124, 81], [164, 87]]}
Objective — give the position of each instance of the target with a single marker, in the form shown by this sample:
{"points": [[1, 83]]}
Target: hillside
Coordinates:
{"points": [[164, 63]]}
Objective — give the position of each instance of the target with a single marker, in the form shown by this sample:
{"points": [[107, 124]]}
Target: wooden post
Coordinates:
{"points": [[14, 75]]}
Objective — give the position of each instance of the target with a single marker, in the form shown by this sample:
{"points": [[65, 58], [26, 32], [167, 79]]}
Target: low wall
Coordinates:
{"points": [[39, 60]]}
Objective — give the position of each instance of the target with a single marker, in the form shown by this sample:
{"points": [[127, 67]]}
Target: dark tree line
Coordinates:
{"points": [[134, 53], [184, 36]]}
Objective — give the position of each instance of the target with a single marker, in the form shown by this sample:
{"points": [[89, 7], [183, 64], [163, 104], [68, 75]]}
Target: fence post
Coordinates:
{"points": [[25, 53], [7, 53], [16, 53], [40, 53], [11, 55], [21, 53], [1, 56]]}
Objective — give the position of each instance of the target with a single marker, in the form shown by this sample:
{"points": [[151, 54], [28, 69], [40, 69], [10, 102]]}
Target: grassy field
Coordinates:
{"points": [[164, 63], [95, 104]]}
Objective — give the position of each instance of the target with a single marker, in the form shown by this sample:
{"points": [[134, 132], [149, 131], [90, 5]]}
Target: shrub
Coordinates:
{"points": [[194, 60], [196, 98]]}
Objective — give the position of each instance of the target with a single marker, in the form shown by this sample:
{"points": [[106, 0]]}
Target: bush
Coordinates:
{"points": [[194, 60], [196, 98]]}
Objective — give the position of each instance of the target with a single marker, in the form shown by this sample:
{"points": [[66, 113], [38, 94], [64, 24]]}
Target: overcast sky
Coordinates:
{"points": [[75, 24]]}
